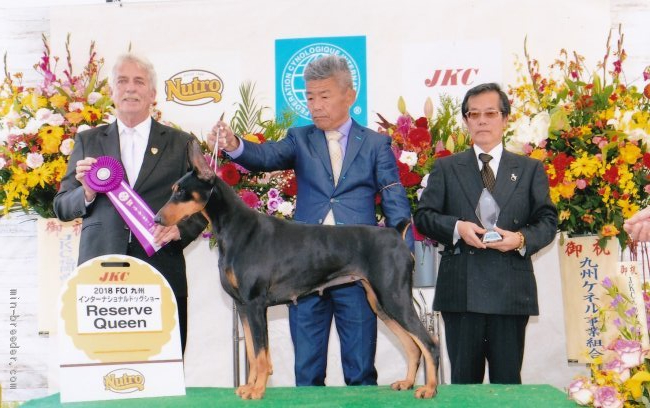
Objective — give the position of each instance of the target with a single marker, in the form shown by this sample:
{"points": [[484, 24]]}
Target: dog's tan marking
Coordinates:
{"points": [[429, 390], [413, 354], [232, 279]]}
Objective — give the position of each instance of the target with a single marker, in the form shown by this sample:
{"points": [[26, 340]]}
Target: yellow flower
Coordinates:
{"points": [[585, 165], [630, 153], [564, 215], [585, 130], [539, 154], [634, 384], [51, 136], [34, 102], [91, 114], [566, 189], [74, 117], [58, 101], [609, 230]]}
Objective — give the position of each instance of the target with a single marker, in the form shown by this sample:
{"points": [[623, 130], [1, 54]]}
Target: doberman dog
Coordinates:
{"points": [[266, 261]]}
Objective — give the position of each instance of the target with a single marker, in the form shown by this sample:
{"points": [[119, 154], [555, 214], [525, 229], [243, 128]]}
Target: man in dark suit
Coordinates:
{"points": [[154, 157], [336, 185], [486, 291]]}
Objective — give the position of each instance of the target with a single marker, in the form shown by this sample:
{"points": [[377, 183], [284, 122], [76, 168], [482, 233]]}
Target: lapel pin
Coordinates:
{"points": [[154, 150], [513, 177]]}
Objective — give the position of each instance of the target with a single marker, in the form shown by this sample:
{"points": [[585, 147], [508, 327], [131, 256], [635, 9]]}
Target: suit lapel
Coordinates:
{"points": [[158, 139], [508, 176], [469, 176], [355, 140], [110, 143], [319, 143]]}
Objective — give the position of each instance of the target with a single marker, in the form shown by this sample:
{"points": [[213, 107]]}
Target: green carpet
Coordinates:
{"points": [[456, 396]]}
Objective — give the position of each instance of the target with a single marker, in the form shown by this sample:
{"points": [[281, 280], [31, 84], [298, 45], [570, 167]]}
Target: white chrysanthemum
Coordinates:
{"points": [[3, 163], [32, 126], [93, 97], [425, 180], [528, 131], [34, 160], [76, 106], [408, 158], [43, 114], [83, 127], [55, 120], [285, 208], [66, 146]]}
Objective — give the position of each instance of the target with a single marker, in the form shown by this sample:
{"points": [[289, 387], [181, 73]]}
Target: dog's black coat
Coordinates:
{"points": [[265, 261]]}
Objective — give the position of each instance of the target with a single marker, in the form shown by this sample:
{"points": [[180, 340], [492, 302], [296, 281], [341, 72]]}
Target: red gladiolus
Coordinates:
{"points": [[646, 159], [442, 153], [611, 175], [419, 138], [422, 123], [561, 162], [229, 174], [377, 199]]}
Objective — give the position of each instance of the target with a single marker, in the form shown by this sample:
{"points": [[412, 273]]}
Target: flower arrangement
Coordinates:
{"points": [[591, 130], [620, 378], [273, 193], [417, 143], [39, 124]]}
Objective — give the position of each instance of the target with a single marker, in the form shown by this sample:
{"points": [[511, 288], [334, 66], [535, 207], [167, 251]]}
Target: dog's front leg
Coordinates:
{"points": [[256, 337]]}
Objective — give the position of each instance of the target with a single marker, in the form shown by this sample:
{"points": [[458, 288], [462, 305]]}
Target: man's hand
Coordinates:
{"points": [[470, 233], [510, 241], [163, 235], [225, 137], [82, 168], [638, 226]]}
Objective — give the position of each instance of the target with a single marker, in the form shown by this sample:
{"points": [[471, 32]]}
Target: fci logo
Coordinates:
{"points": [[293, 82], [194, 87]]}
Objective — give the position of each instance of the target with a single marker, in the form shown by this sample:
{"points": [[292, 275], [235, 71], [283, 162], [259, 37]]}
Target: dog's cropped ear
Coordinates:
{"points": [[198, 162]]}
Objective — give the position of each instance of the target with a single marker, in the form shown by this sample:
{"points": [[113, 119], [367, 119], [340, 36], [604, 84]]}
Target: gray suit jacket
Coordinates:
{"points": [[487, 281], [103, 230]]}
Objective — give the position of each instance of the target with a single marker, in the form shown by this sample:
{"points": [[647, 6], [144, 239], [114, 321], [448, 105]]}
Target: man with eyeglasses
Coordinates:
{"points": [[486, 291]]}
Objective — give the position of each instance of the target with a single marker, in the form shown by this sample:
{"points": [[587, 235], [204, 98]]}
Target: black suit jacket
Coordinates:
{"points": [[103, 230], [487, 281]]}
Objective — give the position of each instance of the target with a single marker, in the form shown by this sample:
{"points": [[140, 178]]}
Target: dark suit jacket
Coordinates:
{"points": [[103, 230], [487, 281], [369, 167]]}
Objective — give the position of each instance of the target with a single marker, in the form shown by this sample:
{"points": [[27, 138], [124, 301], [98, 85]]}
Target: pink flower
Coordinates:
{"points": [[629, 351], [581, 184], [404, 124], [616, 366], [34, 160], [607, 397], [580, 390], [249, 198]]}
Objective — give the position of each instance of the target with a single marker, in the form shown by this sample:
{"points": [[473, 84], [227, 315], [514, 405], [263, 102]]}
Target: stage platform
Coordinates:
{"points": [[451, 396]]}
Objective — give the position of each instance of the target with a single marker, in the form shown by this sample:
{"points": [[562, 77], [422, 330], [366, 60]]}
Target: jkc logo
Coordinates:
{"points": [[293, 81], [194, 87], [124, 381], [452, 77]]}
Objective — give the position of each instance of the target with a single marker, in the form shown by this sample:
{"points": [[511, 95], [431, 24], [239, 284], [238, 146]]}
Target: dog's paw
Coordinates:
{"points": [[402, 385], [250, 392], [426, 392]]}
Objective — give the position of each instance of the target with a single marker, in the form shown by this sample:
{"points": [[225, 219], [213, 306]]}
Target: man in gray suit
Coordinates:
{"points": [[154, 157], [486, 291]]}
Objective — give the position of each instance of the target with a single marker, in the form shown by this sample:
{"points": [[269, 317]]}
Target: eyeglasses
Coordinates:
{"points": [[476, 115]]}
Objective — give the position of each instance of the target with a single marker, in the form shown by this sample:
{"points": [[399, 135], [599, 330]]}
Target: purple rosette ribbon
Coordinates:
{"points": [[107, 176]]}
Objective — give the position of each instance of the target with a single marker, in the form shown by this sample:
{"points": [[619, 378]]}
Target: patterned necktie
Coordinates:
{"points": [[486, 172], [336, 153], [336, 158]]}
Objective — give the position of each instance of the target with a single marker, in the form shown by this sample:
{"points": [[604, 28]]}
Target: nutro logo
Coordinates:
{"points": [[124, 381], [293, 83], [452, 77], [194, 87]]}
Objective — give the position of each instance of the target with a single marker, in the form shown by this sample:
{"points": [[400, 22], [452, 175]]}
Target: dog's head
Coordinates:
{"points": [[190, 193]]}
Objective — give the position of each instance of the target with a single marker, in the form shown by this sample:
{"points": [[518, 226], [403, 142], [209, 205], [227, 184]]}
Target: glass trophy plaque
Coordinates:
{"points": [[487, 212]]}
